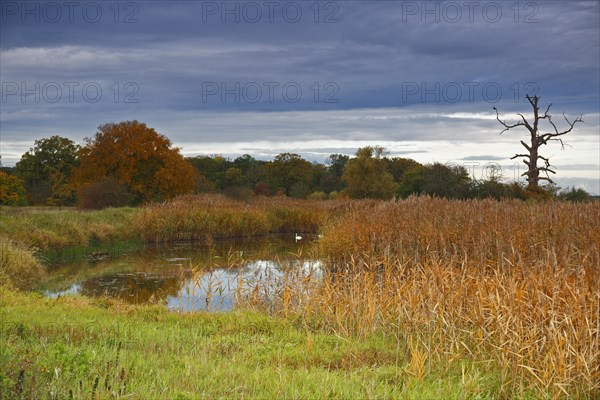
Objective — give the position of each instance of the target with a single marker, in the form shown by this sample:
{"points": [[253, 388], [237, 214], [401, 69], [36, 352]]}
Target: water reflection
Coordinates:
{"points": [[184, 276], [217, 290]]}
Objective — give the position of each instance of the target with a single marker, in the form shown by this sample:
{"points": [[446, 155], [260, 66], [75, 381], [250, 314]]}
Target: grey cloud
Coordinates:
{"points": [[369, 54], [578, 167]]}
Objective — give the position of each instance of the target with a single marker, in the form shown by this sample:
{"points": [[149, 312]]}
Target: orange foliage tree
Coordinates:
{"points": [[12, 192], [137, 157]]}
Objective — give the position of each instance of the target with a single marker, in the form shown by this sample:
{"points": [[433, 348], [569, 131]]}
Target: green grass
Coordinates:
{"points": [[185, 218], [84, 348], [54, 228]]}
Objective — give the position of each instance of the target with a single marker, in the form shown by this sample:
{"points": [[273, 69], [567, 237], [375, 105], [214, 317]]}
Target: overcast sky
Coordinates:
{"points": [[265, 77]]}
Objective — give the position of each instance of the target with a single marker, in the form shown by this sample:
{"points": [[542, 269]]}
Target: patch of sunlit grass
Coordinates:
{"points": [[58, 228], [86, 348]]}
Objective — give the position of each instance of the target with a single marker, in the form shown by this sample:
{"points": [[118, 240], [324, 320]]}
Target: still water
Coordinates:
{"points": [[183, 276]]}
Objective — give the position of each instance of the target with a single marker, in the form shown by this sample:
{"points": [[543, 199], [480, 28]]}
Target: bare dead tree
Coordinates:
{"points": [[537, 139]]}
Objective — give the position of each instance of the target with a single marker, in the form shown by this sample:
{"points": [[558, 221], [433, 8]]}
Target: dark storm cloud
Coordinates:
{"points": [[378, 45], [177, 66]]}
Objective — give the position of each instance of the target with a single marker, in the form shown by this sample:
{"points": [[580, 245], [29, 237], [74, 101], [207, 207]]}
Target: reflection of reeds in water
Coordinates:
{"points": [[235, 281], [211, 281]]}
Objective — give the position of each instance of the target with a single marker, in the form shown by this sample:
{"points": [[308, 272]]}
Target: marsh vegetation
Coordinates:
{"points": [[424, 297]]}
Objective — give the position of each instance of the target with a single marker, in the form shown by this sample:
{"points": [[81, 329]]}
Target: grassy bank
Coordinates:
{"points": [[83, 348], [53, 228], [185, 218]]}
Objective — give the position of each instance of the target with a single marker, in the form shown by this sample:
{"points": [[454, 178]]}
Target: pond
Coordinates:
{"points": [[183, 276]]}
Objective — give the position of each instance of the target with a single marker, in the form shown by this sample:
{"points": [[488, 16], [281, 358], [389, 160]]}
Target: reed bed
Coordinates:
{"points": [[19, 267], [198, 217], [513, 285], [478, 232]]}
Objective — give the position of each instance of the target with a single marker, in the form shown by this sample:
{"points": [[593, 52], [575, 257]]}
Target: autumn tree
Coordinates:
{"points": [[102, 193], [12, 192], [138, 158], [536, 140], [46, 170], [366, 175]]}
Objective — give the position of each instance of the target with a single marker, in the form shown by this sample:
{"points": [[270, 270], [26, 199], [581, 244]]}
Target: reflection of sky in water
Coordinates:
{"points": [[216, 290], [185, 276], [74, 289]]}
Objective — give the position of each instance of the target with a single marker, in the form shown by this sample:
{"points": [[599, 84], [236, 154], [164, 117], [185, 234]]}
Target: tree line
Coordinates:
{"points": [[129, 163]]}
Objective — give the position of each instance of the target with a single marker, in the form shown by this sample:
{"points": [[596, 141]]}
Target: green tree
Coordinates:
{"points": [[233, 176], [450, 181], [214, 169], [398, 166], [490, 188], [46, 170], [292, 174], [366, 175], [337, 164], [330, 180], [321, 178], [436, 180], [411, 181], [575, 194], [253, 170]]}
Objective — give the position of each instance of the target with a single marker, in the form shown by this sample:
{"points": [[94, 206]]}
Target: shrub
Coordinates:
{"points": [[575, 195], [239, 193], [317, 196], [262, 189]]}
